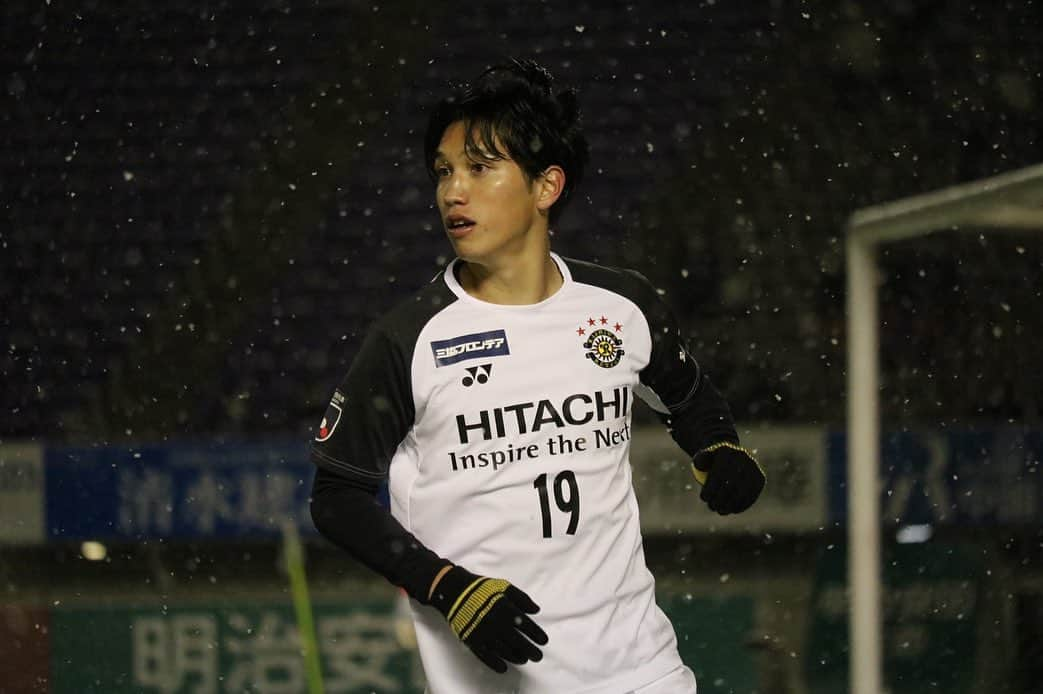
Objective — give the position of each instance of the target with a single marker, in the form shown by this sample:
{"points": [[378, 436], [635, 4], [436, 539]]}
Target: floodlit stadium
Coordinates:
{"points": [[208, 205]]}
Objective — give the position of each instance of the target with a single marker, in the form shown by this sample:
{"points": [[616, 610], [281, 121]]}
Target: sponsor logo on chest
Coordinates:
{"points": [[492, 343]]}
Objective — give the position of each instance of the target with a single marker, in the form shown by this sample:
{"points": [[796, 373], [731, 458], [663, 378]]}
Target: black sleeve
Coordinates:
{"points": [[346, 511], [694, 411], [370, 412]]}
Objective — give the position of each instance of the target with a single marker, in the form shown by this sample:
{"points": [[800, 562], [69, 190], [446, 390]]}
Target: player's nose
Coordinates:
{"points": [[454, 190]]}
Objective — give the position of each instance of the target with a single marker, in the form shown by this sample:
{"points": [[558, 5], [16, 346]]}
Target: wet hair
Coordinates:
{"points": [[511, 111]]}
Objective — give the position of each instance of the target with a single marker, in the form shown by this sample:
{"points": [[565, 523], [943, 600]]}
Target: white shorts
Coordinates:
{"points": [[678, 681]]}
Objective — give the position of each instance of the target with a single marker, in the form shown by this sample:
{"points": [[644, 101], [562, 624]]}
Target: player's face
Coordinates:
{"points": [[489, 208]]}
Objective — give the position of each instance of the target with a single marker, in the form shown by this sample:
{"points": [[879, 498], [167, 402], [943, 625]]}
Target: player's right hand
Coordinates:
{"points": [[491, 617]]}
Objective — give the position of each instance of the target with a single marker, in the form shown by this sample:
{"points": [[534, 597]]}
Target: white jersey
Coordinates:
{"points": [[504, 434]]}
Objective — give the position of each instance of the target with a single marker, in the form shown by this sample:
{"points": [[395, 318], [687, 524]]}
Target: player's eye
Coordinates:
{"points": [[442, 171], [477, 167]]}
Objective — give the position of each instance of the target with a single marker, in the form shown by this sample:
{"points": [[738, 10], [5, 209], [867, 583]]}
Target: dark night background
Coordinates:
{"points": [[207, 203]]}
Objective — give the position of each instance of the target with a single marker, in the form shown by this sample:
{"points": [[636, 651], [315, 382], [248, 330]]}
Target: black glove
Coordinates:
{"points": [[491, 616], [732, 478]]}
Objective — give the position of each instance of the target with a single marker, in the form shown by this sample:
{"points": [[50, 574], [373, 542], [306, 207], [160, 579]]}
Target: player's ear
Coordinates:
{"points": [[549, 187]]}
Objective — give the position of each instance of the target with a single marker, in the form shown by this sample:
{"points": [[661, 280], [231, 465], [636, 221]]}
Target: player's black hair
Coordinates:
{"points": [[513, 111]]}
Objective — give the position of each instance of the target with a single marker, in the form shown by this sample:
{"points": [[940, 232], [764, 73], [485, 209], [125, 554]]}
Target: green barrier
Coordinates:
{"points": [[712, 636], [210, 649], [929, 595]]}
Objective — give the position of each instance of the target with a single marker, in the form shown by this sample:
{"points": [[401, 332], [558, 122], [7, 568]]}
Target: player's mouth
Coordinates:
{"points": [[459, 226]]}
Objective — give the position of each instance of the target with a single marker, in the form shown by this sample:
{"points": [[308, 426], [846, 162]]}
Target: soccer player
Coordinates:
{"points": [[496, 404]]}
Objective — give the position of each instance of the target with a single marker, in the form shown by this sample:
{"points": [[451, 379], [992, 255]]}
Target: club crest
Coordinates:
{"points": [[602, 341]]}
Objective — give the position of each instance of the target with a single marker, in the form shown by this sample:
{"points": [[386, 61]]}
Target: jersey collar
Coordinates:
{"points": [[454, 285]]}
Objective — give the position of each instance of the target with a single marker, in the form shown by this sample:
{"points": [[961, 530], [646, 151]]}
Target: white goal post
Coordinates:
{"points": [[1012, 200]]}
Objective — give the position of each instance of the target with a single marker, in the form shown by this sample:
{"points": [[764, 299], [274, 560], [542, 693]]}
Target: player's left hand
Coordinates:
{"points": [[732, 478]]}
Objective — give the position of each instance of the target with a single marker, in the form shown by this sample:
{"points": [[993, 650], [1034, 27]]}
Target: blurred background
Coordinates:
{"points": [[203, 205]]}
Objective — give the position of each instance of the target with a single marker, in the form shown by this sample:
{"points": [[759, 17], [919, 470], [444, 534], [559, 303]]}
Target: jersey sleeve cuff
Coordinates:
{"points": [[345, 468]]}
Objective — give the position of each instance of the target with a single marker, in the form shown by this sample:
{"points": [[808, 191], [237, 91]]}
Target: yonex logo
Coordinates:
{"points": [[478, 373], [476, 345]]}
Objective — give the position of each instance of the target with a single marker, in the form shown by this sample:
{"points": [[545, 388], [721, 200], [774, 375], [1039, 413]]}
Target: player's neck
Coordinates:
{"points": [[527, 278]]}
